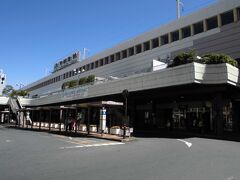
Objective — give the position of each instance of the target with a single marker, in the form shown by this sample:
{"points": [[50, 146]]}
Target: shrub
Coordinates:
{"points": [[82, 81], [90, 78], [73, 83], [189, 57], [218, 59], [184, 58]]}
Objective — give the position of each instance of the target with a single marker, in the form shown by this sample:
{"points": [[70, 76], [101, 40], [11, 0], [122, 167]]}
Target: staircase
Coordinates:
{"points": [[15, 107]]}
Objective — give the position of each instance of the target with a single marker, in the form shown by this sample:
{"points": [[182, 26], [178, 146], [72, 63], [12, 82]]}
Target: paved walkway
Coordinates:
{"points": [[76, 134]]}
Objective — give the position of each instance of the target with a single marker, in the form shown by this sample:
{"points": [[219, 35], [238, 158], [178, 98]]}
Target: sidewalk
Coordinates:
{"points": [[75, 134]]}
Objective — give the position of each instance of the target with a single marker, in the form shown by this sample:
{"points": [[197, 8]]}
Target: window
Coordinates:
{"points": [[238, 13], [212, 23], [124, 54], [88, 67], [146, 46], [227, 18], [198, 27], [131, 51], [92, 65], [186, 32], [101, 62], [112, 58], [138, 48], [155, 43], [96, 64], [66, 75], [175, 36], [70, 73], [106, 60], [118, 56], [164, 39]]}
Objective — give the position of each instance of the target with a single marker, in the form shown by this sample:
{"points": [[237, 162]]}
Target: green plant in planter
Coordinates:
{"points": [[184, 58], [82, 81], [218, 59], [90, 78], [73, 83]]}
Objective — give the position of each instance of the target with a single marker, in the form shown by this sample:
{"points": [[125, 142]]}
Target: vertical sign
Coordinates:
{"points": [[102, 119]]}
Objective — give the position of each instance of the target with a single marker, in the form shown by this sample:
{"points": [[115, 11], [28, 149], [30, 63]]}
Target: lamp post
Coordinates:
{"points": [[125, 96]]}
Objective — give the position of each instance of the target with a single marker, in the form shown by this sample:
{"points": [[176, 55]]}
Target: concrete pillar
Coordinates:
{"points": [[180, 34], [204, 25], [61, 119], [169, 38], [49, 120], [192, 30], [235, 15], [40, 119], [218, 111], [88, 119], [219, 20], [32, 114], [151, 44]]}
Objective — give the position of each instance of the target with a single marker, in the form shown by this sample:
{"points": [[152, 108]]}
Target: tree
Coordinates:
{"points": [[8, 90]]}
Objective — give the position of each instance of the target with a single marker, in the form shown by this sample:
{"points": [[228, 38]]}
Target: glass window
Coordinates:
{"points": [[112, 58], [186, 32], [146, 46], [198, 28], [88, 67], [92, 65], [164, 39], [101, 62], [212, 23], [131, 51], [175, 36], [155, 43], [227, 18], [124, 54], [138, 48], [106, 60], [118, 56]]}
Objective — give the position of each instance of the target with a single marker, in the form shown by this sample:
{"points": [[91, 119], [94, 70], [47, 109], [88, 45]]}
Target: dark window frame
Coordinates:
{"points": [[138, 48], [186, 32], [198, 28], [227, 17], [164, 39], [175, 36], [146, 46], [155, 43], [212, 22], [131, 51]]}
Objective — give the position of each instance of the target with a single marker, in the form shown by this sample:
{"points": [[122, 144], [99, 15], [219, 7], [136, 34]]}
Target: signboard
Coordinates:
{"points": [[75, 93], [103, 117]]}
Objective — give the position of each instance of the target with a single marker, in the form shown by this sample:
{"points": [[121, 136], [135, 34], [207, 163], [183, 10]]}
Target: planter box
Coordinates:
{"points": [[34, 124], [62, 126], [83, 127], [37, 124], [52, 125], [42, 124], [93, 128], [56, 126], [115, 131], [46, 125], [127, 132]]}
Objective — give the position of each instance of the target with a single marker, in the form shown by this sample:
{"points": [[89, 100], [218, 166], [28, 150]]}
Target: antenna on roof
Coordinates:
{"points": [[85, 50], [179, 5]]}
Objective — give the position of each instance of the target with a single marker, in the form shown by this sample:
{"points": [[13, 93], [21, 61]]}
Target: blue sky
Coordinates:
{"points": [[34, 34]]}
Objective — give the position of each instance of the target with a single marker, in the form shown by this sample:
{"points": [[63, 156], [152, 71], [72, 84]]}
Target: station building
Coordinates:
{"points": [[159, 97]]}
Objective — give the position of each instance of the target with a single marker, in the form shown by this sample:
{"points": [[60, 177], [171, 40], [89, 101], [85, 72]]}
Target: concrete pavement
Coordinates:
{"points": [[38, 155]]}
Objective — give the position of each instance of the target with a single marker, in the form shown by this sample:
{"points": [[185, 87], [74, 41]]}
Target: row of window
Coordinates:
{"points": [[199, 27]]}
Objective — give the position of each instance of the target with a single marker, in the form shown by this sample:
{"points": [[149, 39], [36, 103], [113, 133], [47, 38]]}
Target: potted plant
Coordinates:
{"points": [[93, 128]]}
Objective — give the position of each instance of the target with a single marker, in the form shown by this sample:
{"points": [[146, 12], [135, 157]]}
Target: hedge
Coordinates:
{"points": [[189, 57]]}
